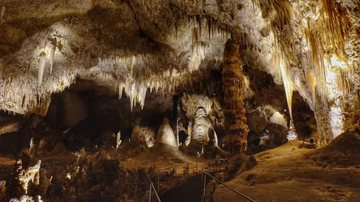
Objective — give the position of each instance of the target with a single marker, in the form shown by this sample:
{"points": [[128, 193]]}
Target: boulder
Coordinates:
{"points": [[278, 135], [143, 136], [257, 120]]}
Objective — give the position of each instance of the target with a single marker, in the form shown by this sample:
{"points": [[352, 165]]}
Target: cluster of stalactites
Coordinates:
{"points": [[167, 83], [326, 35], [328, 68], [205, 28], [136, 91], [326, 38], [22, 95], [280, 21]]}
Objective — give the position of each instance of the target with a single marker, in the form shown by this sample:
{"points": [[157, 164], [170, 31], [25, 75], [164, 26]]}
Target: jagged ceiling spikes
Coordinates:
{"points": [[136, 91]]}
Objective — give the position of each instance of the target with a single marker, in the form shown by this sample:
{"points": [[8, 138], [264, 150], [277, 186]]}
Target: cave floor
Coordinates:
{"points": [[290, 173], [162, 160], [285, 173]]}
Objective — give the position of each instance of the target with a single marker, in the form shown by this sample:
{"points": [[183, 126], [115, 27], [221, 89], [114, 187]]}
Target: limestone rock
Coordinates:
{"points": [[257, 120], [143, 135]]}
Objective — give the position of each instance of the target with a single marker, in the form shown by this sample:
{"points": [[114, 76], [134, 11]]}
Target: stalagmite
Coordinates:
{"points": [[166, 134], [118, 140], [30, 174], [203, 133], [233, 87], [31, 145], [41, 67]]}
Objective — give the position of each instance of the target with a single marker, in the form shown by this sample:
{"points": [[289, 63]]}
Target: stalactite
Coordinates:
{"points": [[2, 13], [197, 56], [41, 67], [233, 88], [52, 57], [121, 90], [142, 89], [283, 65]]}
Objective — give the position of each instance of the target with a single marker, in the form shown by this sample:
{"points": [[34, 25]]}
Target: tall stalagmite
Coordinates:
{"points": [[233, 87]]}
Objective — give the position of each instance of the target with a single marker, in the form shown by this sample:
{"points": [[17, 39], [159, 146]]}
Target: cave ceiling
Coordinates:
{"points": [[140, 45]]}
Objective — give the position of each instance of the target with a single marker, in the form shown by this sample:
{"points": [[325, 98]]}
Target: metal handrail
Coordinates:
{"points": [[235, 191], [153, 188]]}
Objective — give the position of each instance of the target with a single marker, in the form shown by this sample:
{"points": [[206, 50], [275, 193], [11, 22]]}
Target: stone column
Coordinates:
{"points": [[233, 88], [321, 112]]}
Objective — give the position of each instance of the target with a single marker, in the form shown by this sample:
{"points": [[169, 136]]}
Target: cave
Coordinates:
{"points": [[179, 100]]}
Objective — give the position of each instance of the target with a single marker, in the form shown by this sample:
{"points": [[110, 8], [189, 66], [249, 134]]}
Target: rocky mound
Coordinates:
{"points": [[342, 151]]}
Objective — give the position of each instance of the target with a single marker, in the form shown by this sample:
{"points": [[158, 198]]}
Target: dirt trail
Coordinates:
{"points": [[290, 173]]}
